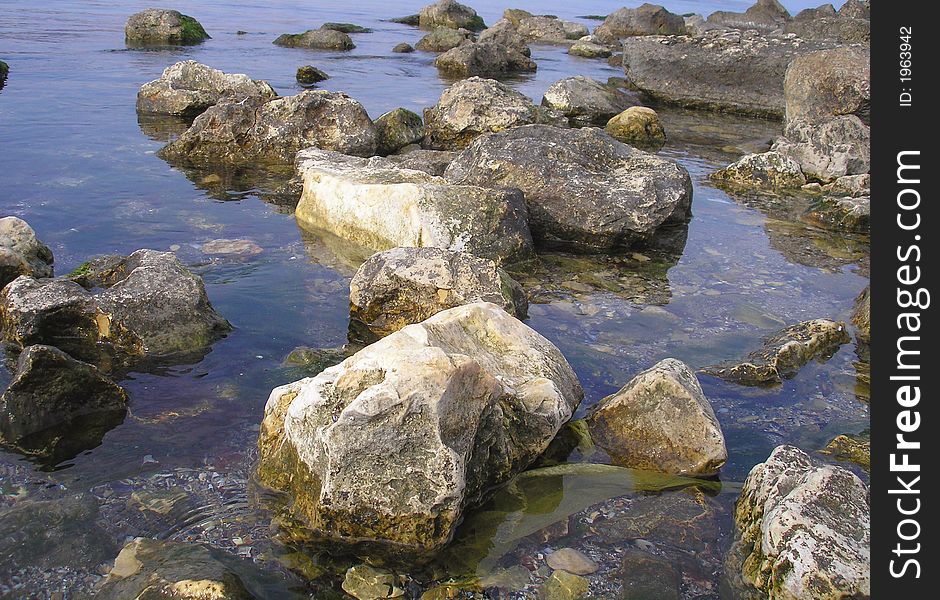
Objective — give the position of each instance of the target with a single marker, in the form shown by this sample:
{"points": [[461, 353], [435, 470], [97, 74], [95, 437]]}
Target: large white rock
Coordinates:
{"points": [[187, 88]]}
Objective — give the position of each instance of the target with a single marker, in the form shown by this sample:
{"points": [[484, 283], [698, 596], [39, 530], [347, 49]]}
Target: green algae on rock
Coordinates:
{"points": [[396, 129], [156, 27]]}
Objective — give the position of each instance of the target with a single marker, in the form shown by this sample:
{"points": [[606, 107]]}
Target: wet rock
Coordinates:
{"points": [[646, 576], [475, 106], [377, 204], [661, 421], [390, 410], [803, 531], [432, 162], [770, 170], [4, 72], [245, 131], [623, 194], [402, 286], [412, 20], [861, 315], [829, 83], [503, 32], [571, 561], [160, 569], [851, 448], [841, 214], [227, 247], [145, 304], [856, 9], [573, 30], [586, 101], [314, 360], [443, 39], [319, 39], [589, 50], [850, 185], [156, 27], [448, 13], [647, 19], [396, 129], [188, 88], [831, 29], [765, 15], [485, 58], [786, 352], [403, 48], [368, 583], [346, 27], [638, 126], [725, 70], [826, 152], [50, 390], [308, 75], [21, 252], [563, 586]]}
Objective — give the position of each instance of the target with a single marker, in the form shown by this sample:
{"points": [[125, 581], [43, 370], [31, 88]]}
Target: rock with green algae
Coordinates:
{"points": [[449, 13], [396, 129], [163, 27], [4, 72], [563, 586], [586, 49], [308, 75], [318, 39], [861, 315], [21, 252], [851, 448], [443, 39], [346, 27], [852, 215], [365, 582], [638, 126]]}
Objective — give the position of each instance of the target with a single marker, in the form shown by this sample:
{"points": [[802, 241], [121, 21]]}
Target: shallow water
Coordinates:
{"points": [[79, 167]]}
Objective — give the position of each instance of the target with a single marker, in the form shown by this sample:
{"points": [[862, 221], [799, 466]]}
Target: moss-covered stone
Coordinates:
{"points": [[308, 75], [851, 448], [346, 27], [163, 27], [396, 129]]}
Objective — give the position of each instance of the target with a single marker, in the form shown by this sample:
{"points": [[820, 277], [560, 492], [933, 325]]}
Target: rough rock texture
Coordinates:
{"points": [[638, 126], [647, 19], [308, 75], [394, 443], [727, 70], [505, 33], [484, 58], [586, 101], [832, 29], [765, 170], [786, 352], [432, 162], [856, 9], [586, 49], [850, 185], [661, 421], [829, 83], [21, 252], [475, 106], [443, 39], [403, 48], [396, 129], [448, 13], [346, 27], [49, 389], [320, 39], [250, 130], [188, 88], [145, 304], [515, 15], [804, 532], [365, 582], [156, 26], [861, 315], [549, 30], [841, 214], [377, 204], [4, 72], [826, 152], [585, 190], [765, 15], [403, 286]]}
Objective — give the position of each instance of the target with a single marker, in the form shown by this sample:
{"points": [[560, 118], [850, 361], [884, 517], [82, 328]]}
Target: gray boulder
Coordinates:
{"points": [[585, 190], [188, 88], [830, 83], [21, 252], [396, 129], [835, 29], [159, 27], [586, 49], [586, 101], [856, 9], [448, 13], [319, 39], [432, 162], [503, 32], [765, 15], [545, 30], [770, 170], [647, 19], [486, 58], [443, 39], [826, 152]]}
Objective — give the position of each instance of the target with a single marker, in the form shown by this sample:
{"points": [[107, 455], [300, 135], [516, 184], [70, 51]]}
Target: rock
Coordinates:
{"points": [[368, 583], [563, 586], [145, 304], [861, 316], [856, 9], [308, 75], [574, 31], [770, 170], [413, 20], [695, 24], [346, 27], [586, 101], [851, 448], [379, 205], [443, 39], [827, 84], [156, 27], [396, 129], [21, 252], [403, 48], [503, 32], [432, 162], [826, 152], [661, 421], [251, 131], [475, 106], [841, 214], [402, 286], [544, 30], [647, 576], [832, 29], [571, 561], [589, 50], [515, 15], [803, 531], [638, 126], [148, 568], [483, 58], [228, 247], [765, 15], [319, 39], [4, 72], [785, 352], [850, 185], [647, 19], [188, 88], [389, 413], [448, 13], [622, 194], [732, 71], [50, 389]]}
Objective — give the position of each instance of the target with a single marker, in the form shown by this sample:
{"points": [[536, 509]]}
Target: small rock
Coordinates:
{"points": [[346, 27], [368, 583], [563, 586], [861, 315], [486, 58], [320, 39], [188, 88], [403, 48], [232, 247], [586, 101], [572, 561], [648, 19], [308, 75], [638, 126], [589, 50], [396, 129], [443, 39], [155, 27], [851, 448], [770, 170]]}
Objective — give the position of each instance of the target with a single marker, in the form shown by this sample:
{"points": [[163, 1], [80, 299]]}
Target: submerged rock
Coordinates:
{"points": [[365, 582], [638, 126], [661, 421], [562, 585], [402, 286], [449, 13], [274, 131], [827, 84], [571, 561], [586, 101], [827, 151], [786, 352], [21, 252], [484, 58], [188, 88], [861, 315], [765, 15], [585, 190], [346, 27], [443, 39], [765, 170], [320, 39], [396, 129], [841, 214], [475, 106], [378, 204], [308, 75], [803, 531], [647, 19], [157, 26], [380, 449]]}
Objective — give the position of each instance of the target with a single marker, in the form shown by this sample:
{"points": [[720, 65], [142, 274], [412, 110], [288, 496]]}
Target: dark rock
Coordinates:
{"points": [[157, 27], [188, 88], [396, 129], [833, 29], [443, 39], [647, 19], [646, 576], [21, 252], [403, 48], [486, 58], [765, 15], [413, 20], [861, 315], [308, 75], [346, 27], [321, 39]]}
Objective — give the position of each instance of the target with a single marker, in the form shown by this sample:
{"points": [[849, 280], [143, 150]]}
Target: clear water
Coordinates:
{"points": [[79, 167]]}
